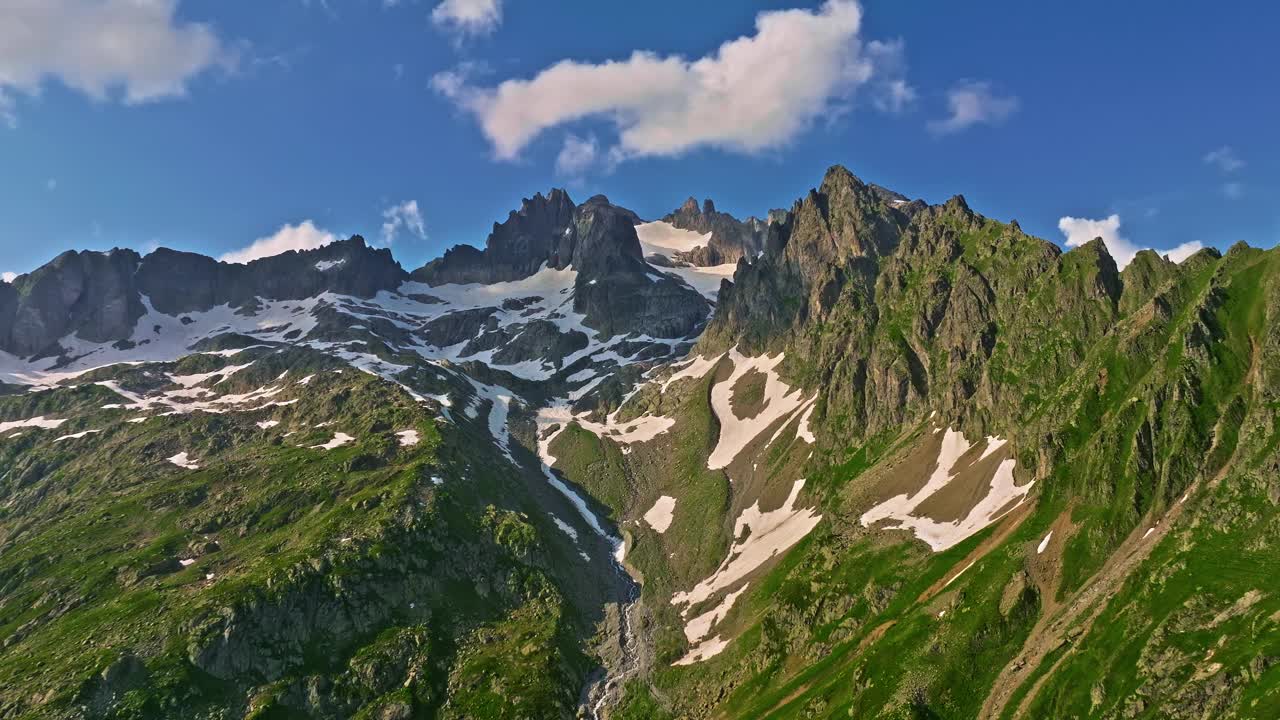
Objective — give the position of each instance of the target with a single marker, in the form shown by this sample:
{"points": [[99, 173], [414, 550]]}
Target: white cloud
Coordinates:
{"points": [[1183, 251], [890, 91], [1081, 230], [469, 17], [135, 48], [577, 155], [303, 236], [753, 93], [1224, 158], [404, 216], [1233, 190], [8, 277], [51, 184], [897, 96], [973, 102]]}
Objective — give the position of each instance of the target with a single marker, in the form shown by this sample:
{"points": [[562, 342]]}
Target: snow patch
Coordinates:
{"points": [[768, 533], [780, 400], [802, 430], [339, 439], [189, 381], [665, 239], [566, 528], [182, 461], [39, 421], [77, 436], [1044, 543], [659, 516], [707, 649], [699, 627], [943, 535]]}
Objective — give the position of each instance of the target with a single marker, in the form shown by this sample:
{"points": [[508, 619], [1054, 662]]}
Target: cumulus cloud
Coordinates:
{"points": [[974, 102], [134, 48], [1079, 231], [303, 236], [404, 216], [753, 93], [468, 17], [1224, 158], [8, 277]]}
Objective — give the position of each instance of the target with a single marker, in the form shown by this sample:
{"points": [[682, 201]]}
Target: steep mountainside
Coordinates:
{"points": [[872, 458]]}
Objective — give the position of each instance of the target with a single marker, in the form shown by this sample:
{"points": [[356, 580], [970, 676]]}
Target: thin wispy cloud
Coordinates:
{"points": [[1225, 159], [754, 93], [1079, 231], [405, 217], [974, 102], [468, 17], [303, 236], [890, 91], [136, 51], [577, 155]]}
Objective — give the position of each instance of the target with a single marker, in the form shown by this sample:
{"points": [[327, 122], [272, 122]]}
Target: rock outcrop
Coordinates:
{"points": [[731, 239]]}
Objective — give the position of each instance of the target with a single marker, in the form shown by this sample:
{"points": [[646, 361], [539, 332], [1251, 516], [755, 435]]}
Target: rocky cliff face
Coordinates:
{"points": [[89, 293], [731, 239]]}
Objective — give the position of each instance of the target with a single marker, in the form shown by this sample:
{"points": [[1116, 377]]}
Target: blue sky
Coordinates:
{"points": [[205, 125]]}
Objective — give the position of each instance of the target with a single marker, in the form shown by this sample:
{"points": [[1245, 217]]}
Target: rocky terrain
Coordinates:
{"points": [[869, 457]]}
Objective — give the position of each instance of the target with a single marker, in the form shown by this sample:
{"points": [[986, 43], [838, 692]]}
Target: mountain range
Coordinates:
{"points": [[865, 457]]}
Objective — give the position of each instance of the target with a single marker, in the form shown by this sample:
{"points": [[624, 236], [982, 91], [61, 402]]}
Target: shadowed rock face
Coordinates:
{"points": [[99, 297], [179, 282], [531, 236], [89, 293], [731, 239]]}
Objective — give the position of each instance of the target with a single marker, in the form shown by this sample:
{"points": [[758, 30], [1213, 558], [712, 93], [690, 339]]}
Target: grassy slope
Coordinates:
{"points": [[349, 564], [836, 628]]}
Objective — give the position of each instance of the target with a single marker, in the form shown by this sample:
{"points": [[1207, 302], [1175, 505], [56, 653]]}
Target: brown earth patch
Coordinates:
{"points": [[969, 484], [906, 472], [747, 398], [766, 472]]}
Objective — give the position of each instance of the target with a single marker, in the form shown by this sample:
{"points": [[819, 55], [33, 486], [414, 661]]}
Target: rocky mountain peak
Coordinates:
{"points": [[839, 176], [957, 205], [731, 239]]}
